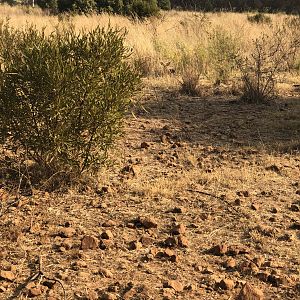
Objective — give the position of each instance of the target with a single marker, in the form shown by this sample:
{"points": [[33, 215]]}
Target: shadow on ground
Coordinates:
{"points": [[225, 121]]}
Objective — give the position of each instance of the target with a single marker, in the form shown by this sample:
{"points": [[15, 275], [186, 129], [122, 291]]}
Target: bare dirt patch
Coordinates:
{"points": [[202, 201]]}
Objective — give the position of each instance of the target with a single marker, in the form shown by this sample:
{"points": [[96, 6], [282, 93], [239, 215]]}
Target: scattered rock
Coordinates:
{"points": [[274, 210], [295, 208], [248, 292], [34, 291], [107, 235], [145, 145], [135, 245], [178, 210], [178, 229], [147, 240], [208, 270], [295, 226], [67, 244], [219, 250], [89, 242], [109, 223], [106, 273], [226, 284], [7, 275], [105, 244], [273, 168], [171, 242], [148, 222], [108, 296], [254, 206], [230, 263], [174, 284], [67, 232], [183, 241], [259, 261]]}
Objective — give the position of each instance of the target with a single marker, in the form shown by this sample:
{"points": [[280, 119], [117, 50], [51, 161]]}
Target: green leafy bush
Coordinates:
{"points": [[223, 49], [63, 96]]}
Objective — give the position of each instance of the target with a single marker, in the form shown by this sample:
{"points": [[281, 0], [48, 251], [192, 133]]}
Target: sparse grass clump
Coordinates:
{"points": [[63, 95]]}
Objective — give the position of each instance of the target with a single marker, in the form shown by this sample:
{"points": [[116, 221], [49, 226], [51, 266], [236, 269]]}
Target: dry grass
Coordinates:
{"points": [[240, 155]]}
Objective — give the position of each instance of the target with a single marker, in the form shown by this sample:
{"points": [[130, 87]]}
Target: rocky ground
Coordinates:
{"points": [[201, 201]]}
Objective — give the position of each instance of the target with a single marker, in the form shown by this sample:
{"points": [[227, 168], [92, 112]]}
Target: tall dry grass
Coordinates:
{"points": [[179, 42]]}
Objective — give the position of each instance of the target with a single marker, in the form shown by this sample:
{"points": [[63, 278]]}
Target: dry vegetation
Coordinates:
{"points": [[227, 171]]}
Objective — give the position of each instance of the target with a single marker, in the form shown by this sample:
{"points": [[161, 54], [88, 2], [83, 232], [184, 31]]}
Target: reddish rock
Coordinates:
{"points": [[105, 244], [67, 232], [219, 250], [108, 296], [183, 241], [230, 263], [175, 284], [171, 242], [147, 240], [135, 245], [34, 291], [107, 235], [145, 145], [226, 284], [7, 275], [178, 229], [109, 223], [254, 206], [148, 222], [106, 273], [248, 292], [89, 242]]}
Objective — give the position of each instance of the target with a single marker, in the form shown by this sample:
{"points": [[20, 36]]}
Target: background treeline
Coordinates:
{"points": [[145, 8], [290, 6]]}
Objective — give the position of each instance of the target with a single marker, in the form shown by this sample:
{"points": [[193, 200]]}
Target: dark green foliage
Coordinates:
{"points": [[63, 96], [84, 6], [164, 4], [259, 18]]}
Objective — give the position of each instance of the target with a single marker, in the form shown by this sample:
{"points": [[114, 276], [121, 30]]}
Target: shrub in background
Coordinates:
{"points": [[164, 4], [222, 50], [259, 18], [63, 96], [270, 57]]}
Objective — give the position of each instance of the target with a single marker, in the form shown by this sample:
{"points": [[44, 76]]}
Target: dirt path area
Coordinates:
{"points": [[203, 197]]}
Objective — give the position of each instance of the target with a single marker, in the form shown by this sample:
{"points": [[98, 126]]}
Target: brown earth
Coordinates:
{"points": [[201, 201]]}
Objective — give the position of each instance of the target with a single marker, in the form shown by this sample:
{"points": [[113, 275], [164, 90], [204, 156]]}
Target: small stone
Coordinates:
{"points": [[295, 226], [169, 253], [145, 145], [254, 206], [175, 284], [67, 244], [237, 202], [135, 245], [107, 235], [129, 294], [230, 263], [171, 242], [295, 207], [183, 241], [147, 240], [168, 294], [148, 222], [89, 242], [67, 232], [178, 210], [106, 273], [178, 229], [274, 210], [263, 276], [34, 291], [109, 296], [248, 292], [2, 289], [7, 275], [105, 244], [208, 270], [226, 284], [259, 261], [109, 223], [219, 250]]}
